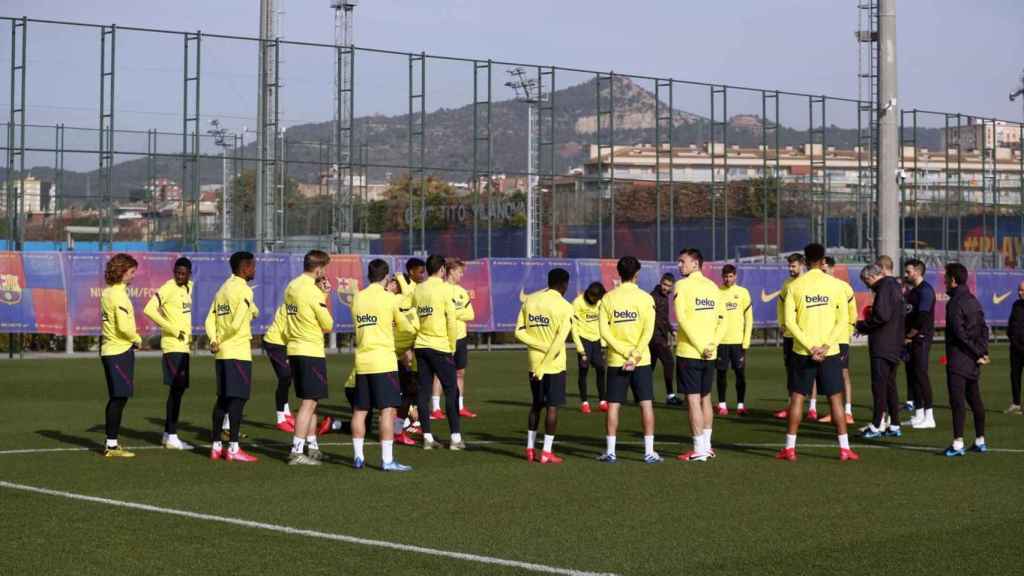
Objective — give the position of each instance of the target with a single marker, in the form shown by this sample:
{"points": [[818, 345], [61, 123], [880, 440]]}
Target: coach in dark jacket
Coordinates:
{"points": [[1015, 332], [884, 327], [661, 340], [966, 352]]}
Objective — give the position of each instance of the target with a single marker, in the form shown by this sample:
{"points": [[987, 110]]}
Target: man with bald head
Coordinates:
{"points": [[1015, 332]]}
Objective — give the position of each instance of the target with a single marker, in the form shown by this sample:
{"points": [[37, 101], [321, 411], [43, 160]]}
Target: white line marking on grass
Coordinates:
{"points": [[308, 533]]}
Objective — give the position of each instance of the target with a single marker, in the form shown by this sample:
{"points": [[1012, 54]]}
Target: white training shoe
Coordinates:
{"points": [[924, 424], [178, 444]]}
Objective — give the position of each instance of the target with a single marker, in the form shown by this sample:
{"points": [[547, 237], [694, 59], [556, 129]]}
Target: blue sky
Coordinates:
{"points": [[953, 56]]}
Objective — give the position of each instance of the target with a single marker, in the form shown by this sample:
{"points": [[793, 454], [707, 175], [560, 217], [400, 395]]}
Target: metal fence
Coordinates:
{"points": [[469, 157]]}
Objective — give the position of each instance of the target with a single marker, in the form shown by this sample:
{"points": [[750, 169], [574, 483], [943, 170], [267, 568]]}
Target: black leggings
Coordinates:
{"points": [[174, 394], [115, 408], [281, 394], [741, 384], [919, 386], [963, 392], [1016, 365], [883, 390], [233, 408]]}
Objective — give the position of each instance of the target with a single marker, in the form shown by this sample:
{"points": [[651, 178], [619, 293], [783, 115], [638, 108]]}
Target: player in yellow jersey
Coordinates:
{"points": [[586, 335], [795, 263], [376, 313], [816, 316], [454, 268], [700, 312], [228, 326], [415, 273], [276, 350], [627, 324], [732, 351], [844, 344], [170, 308], [308, 320], [118, 342], [545, 321], [435, 346]]}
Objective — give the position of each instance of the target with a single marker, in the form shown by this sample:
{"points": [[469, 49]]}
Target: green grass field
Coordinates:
{"points": [[902, 509]]}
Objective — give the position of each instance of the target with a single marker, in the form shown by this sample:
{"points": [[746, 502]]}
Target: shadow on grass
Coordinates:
{"points": [[64, 438]]}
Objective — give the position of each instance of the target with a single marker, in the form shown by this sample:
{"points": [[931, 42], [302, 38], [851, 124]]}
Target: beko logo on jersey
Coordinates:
{"points": [[625, 315], [366, 320], [731, 305], [703, 303], [538, 320], [592, 317], [223, 310], [815, 300], [424, 310]]}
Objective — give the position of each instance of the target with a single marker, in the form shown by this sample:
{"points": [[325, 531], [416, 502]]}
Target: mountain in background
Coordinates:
{"points": [[449, 140]]}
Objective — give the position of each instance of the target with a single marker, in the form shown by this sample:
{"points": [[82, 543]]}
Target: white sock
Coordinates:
{"points": [[894, 427], [111, 442], [740, 406], [406, 423], [698, 443], [357, 447], [979, 440], [844, 441], [609, 442], [531, 439], [671, 395], [217, 446], [707, 436], [814, 405], [298, 445], [287, 409], [312, 443], [437, 402], [456, 437], [648, 445], [387, 451], [281, 417], [958, 444], [849, 408], [919, 414], [428, 437], [722, 405], [790, 441], [462, 402], [549, 440], [227, 423], [928, 414], [233, 447], [173, 438], [911, 404]]}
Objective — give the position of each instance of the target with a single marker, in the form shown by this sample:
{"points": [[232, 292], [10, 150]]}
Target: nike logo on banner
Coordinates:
{"points": [[998, 299], [768, 297]]}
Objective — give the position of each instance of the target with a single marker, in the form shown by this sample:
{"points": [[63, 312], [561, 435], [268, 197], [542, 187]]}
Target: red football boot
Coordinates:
{"points": [[240, 456], [549, 458]]}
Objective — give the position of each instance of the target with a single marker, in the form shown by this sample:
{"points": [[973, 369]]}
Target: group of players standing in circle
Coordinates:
{"points": [[410, 347]]}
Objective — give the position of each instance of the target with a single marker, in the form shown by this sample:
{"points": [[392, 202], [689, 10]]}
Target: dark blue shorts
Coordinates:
{"points": [[639, 380], [461, 354], [234, 378], [731, 356], [278, 356], [377, 391], [695, 376], [549, 390], [120, 374], [828, 374], [175, 365], [310, 376]]}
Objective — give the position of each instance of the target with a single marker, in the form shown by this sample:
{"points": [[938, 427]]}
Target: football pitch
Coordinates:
{"points": [[902, 509]]}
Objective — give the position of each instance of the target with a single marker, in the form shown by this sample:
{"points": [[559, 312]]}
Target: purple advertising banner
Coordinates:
{"points": [[50, 292]]}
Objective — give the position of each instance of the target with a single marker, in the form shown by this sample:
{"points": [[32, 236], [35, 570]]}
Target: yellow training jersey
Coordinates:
{"points": [[851, 311], [229, 321], [276, 333], [545, 320], [816, 313], [739, 315], [406, 337], [700, 312], [438, 323], [627, 324], [585, 322], [463, 309], [170, 308], [780, 307], [309, 317], [376, 312], [118, 316]]}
